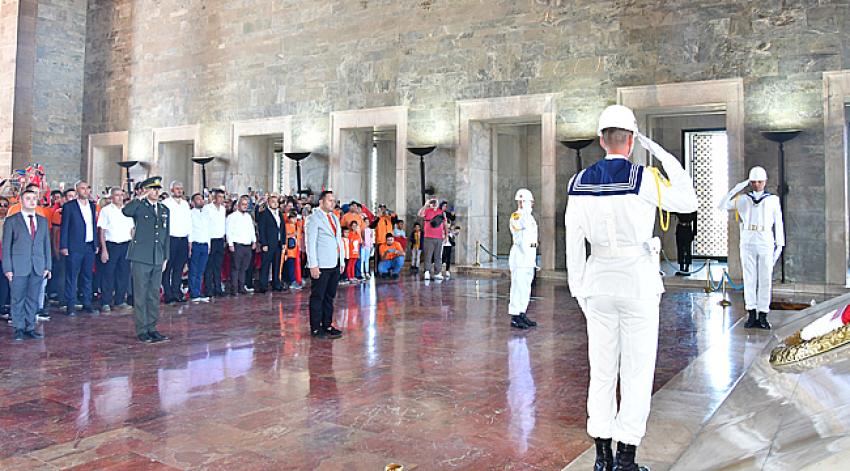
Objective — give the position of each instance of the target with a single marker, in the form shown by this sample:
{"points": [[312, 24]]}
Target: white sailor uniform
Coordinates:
{"points": [[523, 260], [762, 240], [612, 205]]}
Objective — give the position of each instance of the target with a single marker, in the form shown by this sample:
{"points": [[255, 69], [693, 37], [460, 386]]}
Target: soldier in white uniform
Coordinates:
{"points": [[762, 238], [612, 206], [523, 259]]}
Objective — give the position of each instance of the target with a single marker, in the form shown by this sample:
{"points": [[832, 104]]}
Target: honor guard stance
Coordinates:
{"points": [[523, 259], [759, 218], [612, 206], [147, 252]]}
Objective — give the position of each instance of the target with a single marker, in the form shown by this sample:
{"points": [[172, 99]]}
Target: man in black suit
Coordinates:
{"points": [[270, 226], [78, 244], [26, 263]]}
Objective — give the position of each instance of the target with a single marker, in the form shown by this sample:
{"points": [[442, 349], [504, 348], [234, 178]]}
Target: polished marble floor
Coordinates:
{"points": [[429, 376]]}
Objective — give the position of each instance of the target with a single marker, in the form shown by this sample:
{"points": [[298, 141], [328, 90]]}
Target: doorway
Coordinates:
{"points": [[105, 172], [369, 166], [700, 142], [175, 162], [259, 163], [707, 162]]}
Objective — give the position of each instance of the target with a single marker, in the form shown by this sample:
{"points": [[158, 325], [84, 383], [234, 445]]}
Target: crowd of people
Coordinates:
{"points": [[218, 244]]}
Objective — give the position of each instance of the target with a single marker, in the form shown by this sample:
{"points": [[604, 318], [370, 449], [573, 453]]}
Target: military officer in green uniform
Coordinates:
{"points": [[147, 252]]}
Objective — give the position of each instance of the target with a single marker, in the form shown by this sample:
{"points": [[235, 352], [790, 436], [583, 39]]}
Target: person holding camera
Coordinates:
{"points": [[432, 241]]}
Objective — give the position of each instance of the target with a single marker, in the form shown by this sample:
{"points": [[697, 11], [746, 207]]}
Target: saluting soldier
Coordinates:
{"points": [[762, 239], [148, 251], [523, 259], [612, 205]]}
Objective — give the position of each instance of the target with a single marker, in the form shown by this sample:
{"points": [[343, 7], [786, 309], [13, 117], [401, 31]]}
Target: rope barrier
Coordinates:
{"points": [[497, 257], [687, 273]]}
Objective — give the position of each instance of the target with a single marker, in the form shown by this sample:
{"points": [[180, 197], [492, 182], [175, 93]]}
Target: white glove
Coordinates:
{"points": [[655, 149], [776, 253], [740, 186]]}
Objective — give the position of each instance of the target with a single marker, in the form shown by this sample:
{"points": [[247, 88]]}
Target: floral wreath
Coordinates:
{"points": [[826, 333]]}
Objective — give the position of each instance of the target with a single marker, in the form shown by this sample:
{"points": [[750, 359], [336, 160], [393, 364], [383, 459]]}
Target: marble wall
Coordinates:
{"points": [[161, 63]]}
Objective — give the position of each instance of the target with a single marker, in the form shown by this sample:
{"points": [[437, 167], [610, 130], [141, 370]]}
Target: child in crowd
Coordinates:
{"points": [[415, 247], [343, 279], [448, 248], [291, 251], [366, 248], [352, 266]]}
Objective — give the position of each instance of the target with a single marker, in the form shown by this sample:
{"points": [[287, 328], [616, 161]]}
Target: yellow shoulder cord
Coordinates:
{"points": [[663, 216], [737, 214]]}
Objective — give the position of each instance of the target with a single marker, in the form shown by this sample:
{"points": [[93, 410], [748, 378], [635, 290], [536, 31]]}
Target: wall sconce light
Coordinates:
{"points": [[577, 145], [422, 152], [297, 157]]}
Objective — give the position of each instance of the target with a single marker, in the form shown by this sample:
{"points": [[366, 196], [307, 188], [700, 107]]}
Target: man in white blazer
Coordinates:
{"points": [[326, 261], [26, 262]]}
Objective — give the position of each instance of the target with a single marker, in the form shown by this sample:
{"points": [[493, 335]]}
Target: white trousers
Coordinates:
{"points": [[622, 336], [758, 277], [521, 279]]}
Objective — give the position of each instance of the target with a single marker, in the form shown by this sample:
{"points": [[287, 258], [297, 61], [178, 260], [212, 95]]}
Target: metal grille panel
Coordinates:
{"points": [[708, 158]]}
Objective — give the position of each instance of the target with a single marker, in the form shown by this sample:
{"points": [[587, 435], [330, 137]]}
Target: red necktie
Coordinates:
{"points": [[331, 222], [32, 227]]}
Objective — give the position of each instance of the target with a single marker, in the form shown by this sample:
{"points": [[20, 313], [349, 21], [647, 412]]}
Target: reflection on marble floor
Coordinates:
{"points": [[429, 376], [729, 409]]}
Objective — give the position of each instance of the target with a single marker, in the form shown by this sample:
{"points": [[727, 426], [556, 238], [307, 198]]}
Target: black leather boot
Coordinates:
{"points": [[763, 323], [527, 321], [625, 460], [604, 455], [752, 321]]}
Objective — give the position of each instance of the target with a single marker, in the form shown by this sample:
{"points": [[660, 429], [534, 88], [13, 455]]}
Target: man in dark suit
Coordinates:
{"points": [[148, 251], [26, 263], [78, 244], [271, 228]]}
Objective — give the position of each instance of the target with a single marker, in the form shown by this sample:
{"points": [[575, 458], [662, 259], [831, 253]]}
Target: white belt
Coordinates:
{"points": [[755, 228], [650, 247]]}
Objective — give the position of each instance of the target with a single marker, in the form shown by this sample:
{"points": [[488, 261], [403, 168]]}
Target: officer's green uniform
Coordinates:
{"points": [[147, 252]]}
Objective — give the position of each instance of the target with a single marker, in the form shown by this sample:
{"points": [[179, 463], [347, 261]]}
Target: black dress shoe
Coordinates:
{"points": [[278, 288], [145, 338], [90, 310], [18, 335], [33, 335], [762, 322], [157, 337], [527, 321], [518, 323], [260, 290], [752, 320], [604, 455], [333, 333], [319, 334]]}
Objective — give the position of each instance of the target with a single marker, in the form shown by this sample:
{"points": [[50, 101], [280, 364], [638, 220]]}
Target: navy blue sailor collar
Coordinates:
{"points": [[615, 175], [758, 199]]}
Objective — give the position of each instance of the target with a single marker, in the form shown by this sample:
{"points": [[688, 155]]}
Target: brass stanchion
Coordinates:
{"points": [[724, 302], [477, 253], [708, 288]]}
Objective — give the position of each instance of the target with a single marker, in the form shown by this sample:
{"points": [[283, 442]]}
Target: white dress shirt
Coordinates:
{"points": [[216, 218], [117, 228], [26, 216], [240, 229], [180, 216], [85, 209], [200, 227]]}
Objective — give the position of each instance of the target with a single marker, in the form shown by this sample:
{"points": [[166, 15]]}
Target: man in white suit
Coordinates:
{"points": [[326, 261]]}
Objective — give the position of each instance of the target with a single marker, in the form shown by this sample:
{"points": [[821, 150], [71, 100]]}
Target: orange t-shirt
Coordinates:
{"points": [[47, 213], [354, 243], [385, 226], [292, 230], [384, 249], [350, 217]]}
